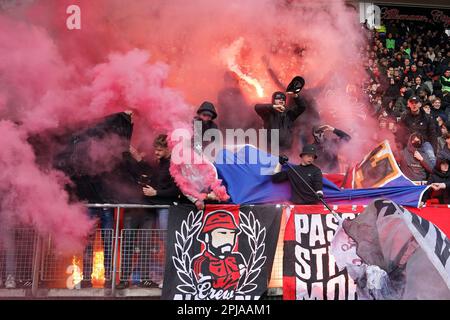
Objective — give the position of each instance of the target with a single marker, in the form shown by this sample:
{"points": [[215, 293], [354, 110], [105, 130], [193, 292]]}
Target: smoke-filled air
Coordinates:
{"points": [[161, 58]]}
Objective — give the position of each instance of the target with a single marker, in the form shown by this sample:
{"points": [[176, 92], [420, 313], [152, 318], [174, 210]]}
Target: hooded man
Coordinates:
{"points": [[300, 193], [281, 117], [415, 163], [203, 121]]}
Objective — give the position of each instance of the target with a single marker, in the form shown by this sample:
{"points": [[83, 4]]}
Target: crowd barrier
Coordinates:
{"points": [[112, 255]]}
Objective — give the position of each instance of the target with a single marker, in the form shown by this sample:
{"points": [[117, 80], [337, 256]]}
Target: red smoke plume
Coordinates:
{"points": [[163, 58]]}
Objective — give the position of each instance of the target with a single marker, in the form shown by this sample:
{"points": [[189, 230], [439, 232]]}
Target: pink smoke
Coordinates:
{"points": [[32, 197], [162, 59]]}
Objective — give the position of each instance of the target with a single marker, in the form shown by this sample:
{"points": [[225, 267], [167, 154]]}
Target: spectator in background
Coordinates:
{"points": [[414, 162], [413, 73], [430, 54], [392, 91], [437, 89], [444, 152], [390, 42], [427, 109], [445, 81], [436, 110], [398, 62], [421, 89], [443, 130], [415, 120], [440, 181], [402, 101]]}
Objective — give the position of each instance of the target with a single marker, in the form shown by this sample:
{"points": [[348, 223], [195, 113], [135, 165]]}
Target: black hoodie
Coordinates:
{"points": [[284, 121]]}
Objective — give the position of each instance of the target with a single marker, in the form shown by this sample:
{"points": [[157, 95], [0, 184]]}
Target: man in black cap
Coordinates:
{"points": [[415, 120], [300, 193], [203, 121], [279, 116]]}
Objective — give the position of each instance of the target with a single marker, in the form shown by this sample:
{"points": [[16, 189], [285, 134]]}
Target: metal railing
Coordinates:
{"points": [[17, 246], [112, 255], [34, 264], [142, 255]]}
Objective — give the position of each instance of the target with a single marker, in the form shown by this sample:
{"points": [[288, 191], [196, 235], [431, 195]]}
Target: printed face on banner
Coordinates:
{"points": [[220, 270]]}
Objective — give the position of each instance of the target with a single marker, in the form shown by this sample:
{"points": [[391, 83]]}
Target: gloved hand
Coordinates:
{"points": [[283, 159]]}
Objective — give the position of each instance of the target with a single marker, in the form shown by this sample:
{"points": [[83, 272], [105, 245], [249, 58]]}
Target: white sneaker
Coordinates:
{"points": [[10, 282]]}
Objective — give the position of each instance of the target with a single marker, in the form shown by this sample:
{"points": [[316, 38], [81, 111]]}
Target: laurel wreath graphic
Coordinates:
{"points": [[189, 229], [256, 236], [181, 259]]}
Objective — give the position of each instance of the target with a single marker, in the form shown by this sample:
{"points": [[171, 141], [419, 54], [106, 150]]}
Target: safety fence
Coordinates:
{"points": [[31, 266]]}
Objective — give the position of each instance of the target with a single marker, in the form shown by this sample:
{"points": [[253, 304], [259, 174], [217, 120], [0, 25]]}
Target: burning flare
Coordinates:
{"points": [[98, 263], [76, 276], [98, 270], [229, 54]]}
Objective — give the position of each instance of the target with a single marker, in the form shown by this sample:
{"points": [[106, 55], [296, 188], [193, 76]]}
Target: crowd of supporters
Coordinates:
{"points": [[409, 93]]}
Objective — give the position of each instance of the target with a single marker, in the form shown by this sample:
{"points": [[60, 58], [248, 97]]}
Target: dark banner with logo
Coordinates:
{"points": [[223, 253], [418, 14]]}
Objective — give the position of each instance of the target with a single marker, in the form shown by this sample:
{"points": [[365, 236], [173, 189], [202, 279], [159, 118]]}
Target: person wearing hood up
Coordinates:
{"points": [[328, 147], [277, 115], [203, 121], [440, 181], [415, 162]]}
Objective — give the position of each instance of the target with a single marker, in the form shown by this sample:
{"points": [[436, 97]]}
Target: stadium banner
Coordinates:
{"points": [[310, 270], [225, 252], [440, 16]]}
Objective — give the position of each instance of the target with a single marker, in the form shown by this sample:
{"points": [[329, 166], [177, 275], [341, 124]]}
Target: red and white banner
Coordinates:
{"points": [[309, 268]]}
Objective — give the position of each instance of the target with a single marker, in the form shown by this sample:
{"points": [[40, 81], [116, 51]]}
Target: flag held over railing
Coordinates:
{"points": [[376, 176]]}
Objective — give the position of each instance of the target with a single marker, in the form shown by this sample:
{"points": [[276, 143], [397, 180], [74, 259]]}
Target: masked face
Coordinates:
{"points": [[319, 135], [416, 142]]}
